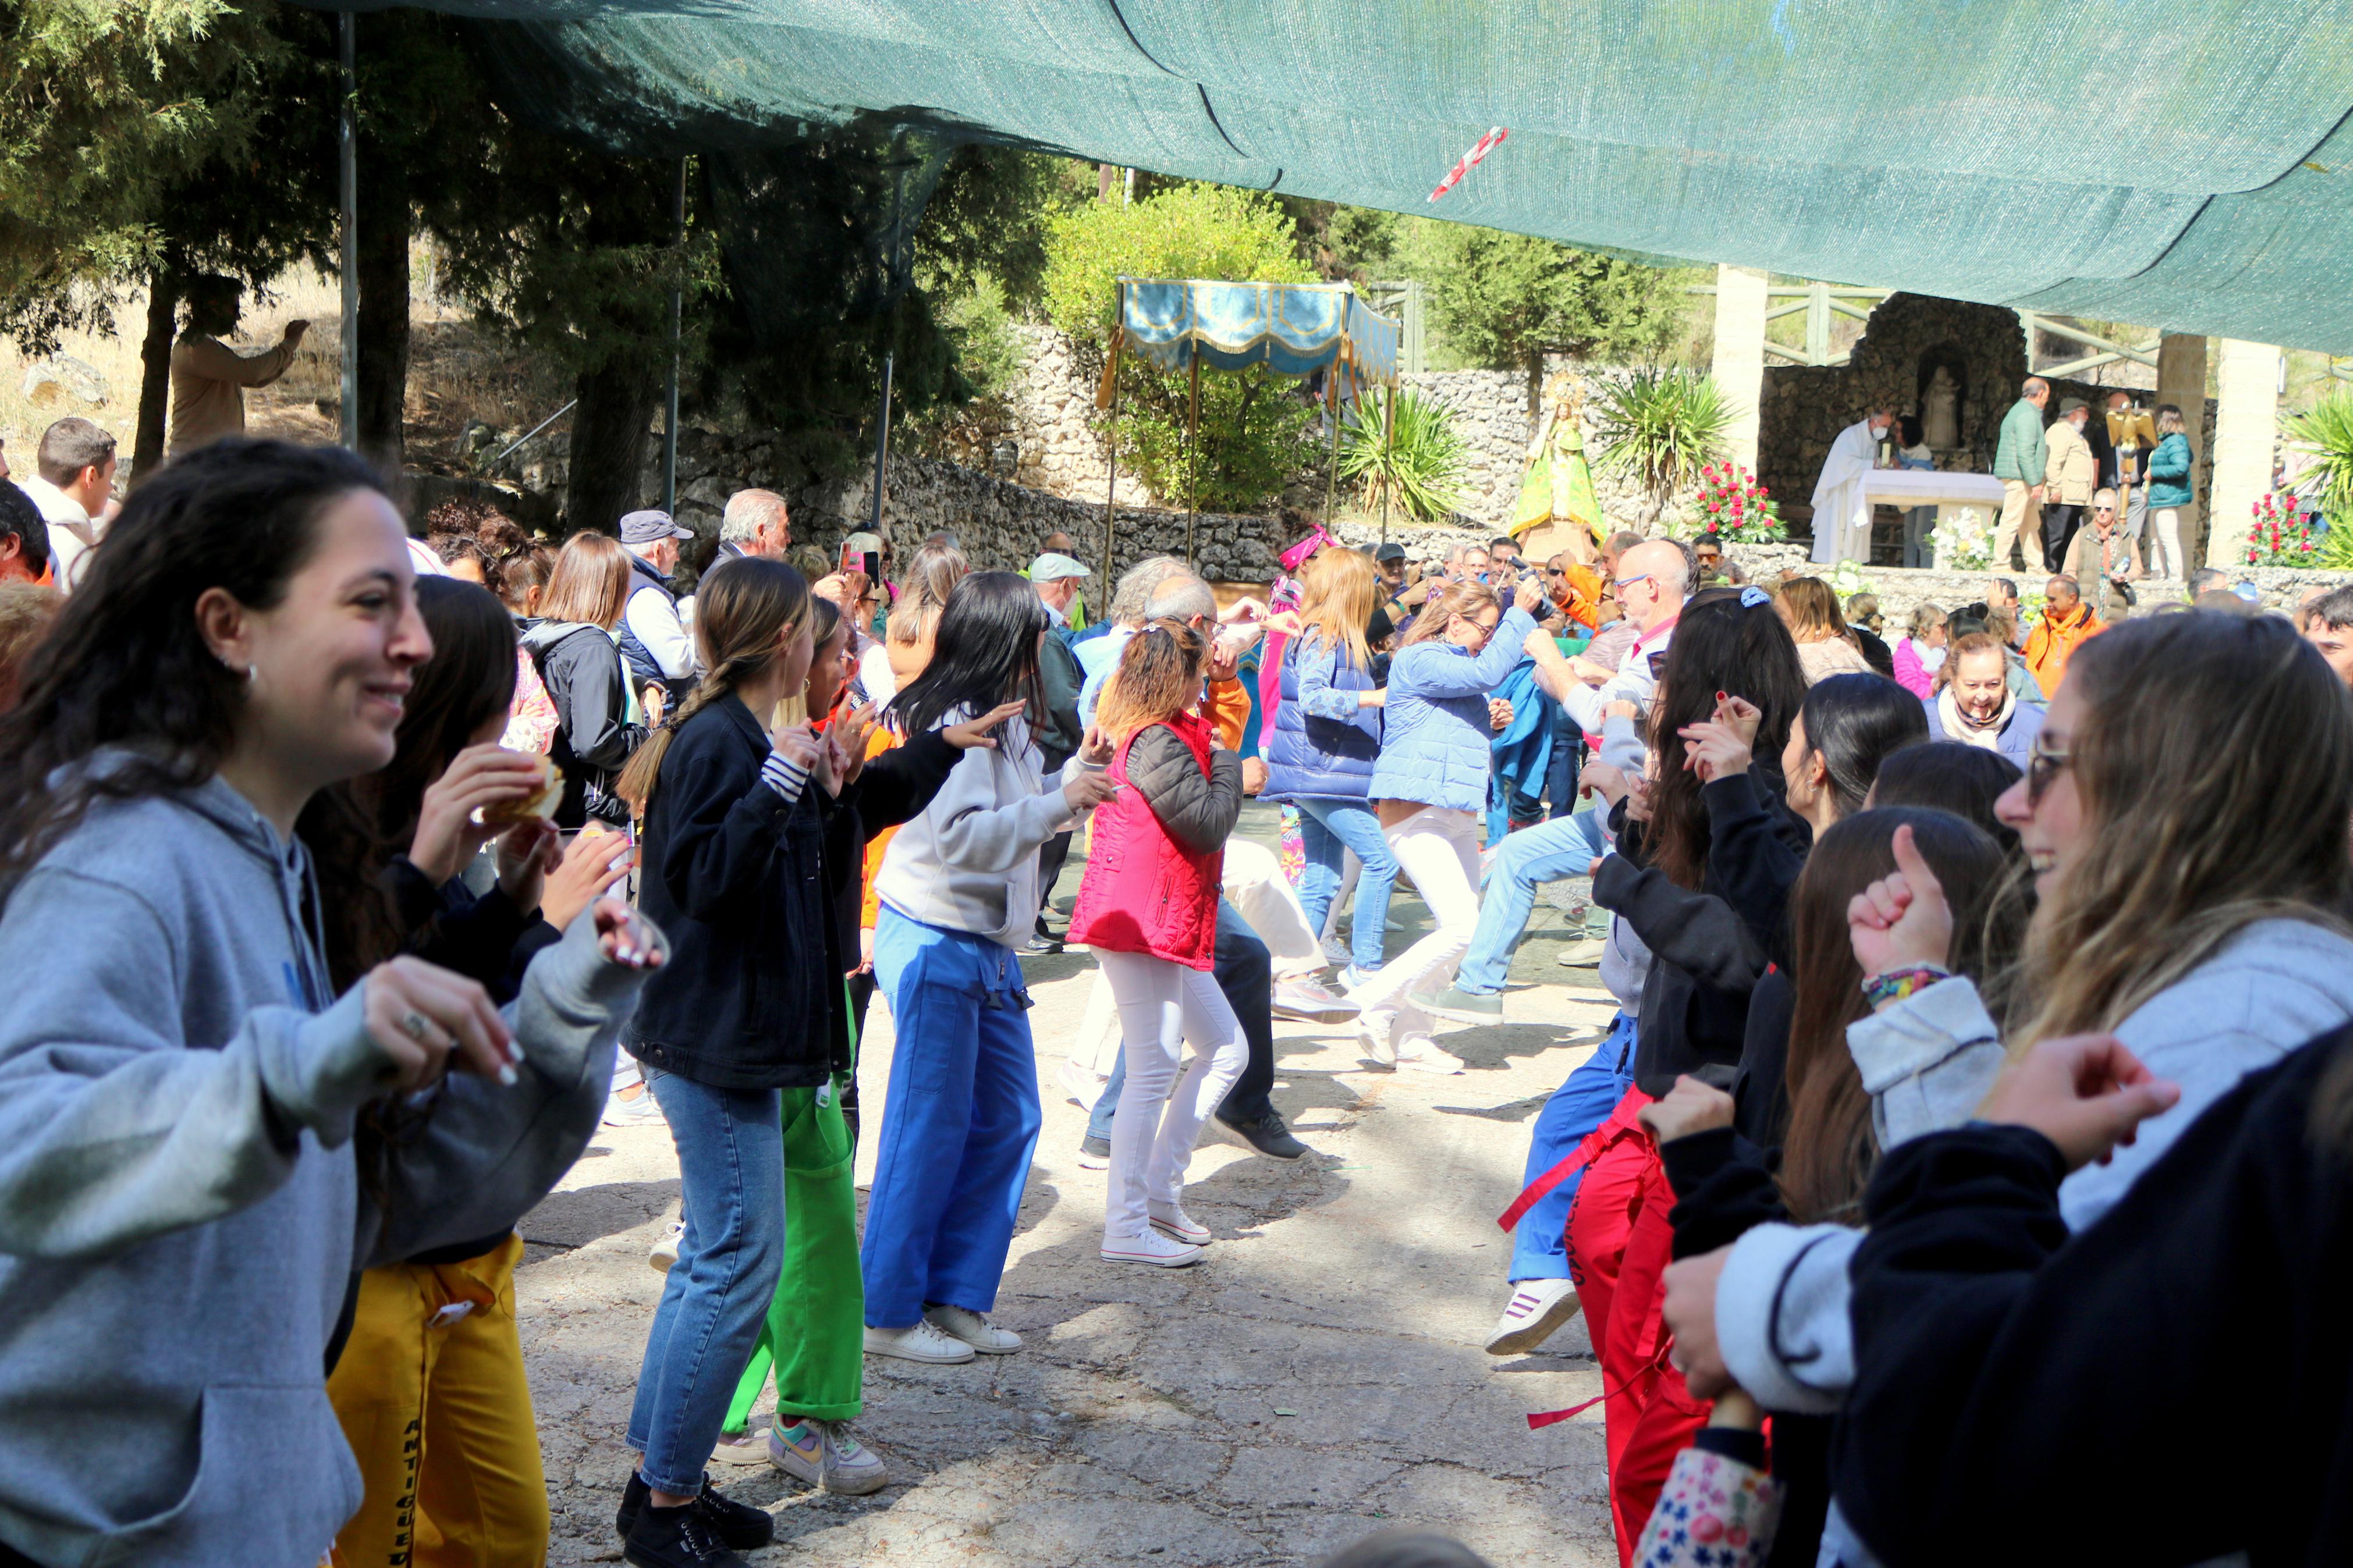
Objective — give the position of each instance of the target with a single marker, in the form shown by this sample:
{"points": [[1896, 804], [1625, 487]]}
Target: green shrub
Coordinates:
{"points": [[2326, 428], [1419, 469], [1252, 423], [1661, 427], [981, 327]]}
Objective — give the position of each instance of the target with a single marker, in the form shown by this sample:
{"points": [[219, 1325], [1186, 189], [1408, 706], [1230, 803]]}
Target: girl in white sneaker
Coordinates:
{"points": [[1148, 908]]}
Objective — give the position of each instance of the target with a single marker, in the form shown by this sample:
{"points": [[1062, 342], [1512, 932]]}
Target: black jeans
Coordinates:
{"points": [[2058, 526], [1050, 856]]}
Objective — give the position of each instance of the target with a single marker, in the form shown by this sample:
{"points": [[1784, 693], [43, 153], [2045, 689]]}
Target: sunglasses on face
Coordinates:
{"points": [[2043, 764], [1622, 583]]}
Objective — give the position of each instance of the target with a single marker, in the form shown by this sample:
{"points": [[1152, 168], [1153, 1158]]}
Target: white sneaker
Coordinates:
{"points": [[1538, 1310], [918, 1342], [1372, 1028], [748, 1448], [1311, 1000], [826, 1457], [1080, 1086], [1353, 979], [1420, 1053], [662, 1257], [640, 1109], [1171, 1220], [1152, 1248], [973, 1329]]}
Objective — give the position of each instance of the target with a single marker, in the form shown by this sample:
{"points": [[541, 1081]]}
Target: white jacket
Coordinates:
{"points": [[1781, 1320]]}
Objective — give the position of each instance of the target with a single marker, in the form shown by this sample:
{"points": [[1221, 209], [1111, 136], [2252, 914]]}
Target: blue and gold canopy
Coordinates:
{"points": [[1293, 329]]}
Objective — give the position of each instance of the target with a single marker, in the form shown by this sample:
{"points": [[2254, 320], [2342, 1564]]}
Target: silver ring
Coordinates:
{"points": [[414, 1025]]}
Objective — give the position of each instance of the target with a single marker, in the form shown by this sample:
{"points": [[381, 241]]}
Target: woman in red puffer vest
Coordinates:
{"points": [[1148, 908]]}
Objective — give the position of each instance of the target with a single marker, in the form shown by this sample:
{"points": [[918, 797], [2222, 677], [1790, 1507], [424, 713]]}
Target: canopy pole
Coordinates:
{"points": [[347, 160], [676, 326], [1332, 475], [1193, 458], [1111, 436], [1388, 454], [881, 446]]}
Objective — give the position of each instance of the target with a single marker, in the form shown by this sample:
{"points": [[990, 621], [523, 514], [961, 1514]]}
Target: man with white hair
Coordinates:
{"points": [[756, 522], [1842, 511], [2019, 459]]}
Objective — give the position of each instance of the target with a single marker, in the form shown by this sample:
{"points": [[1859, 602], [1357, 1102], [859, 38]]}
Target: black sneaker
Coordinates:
{"points": [[739, 1525], [1040, 945], [677, 1537], [1269, 1134]]}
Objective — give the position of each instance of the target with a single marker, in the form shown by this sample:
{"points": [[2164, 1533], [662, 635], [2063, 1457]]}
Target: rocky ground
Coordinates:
{"points": [[1317, 1377]]}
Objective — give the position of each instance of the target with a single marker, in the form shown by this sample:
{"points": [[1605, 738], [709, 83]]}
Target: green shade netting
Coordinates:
{"points": [[1293, 329], [2186, 166]]}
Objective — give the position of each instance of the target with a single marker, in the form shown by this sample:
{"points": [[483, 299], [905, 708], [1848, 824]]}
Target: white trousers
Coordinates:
{"points": [[1162, 1007], [2164, 541], [1254, 884], [1437, 848]]}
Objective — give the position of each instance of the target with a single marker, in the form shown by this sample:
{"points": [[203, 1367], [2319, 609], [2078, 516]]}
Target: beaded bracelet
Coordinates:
{"points": [[1895, 984]]}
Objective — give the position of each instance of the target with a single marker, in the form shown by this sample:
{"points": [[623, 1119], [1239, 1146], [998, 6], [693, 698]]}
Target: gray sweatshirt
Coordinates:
{"points": [[1781, 1319], [179, 1205], [969, 863]]}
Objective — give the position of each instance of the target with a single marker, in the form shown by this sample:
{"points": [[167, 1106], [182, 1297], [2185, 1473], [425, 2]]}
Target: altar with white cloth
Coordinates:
{"points": [[1957, 497]]}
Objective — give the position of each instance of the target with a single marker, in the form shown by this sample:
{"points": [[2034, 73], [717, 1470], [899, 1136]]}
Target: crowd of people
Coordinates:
{"points": [[1972, 991]]}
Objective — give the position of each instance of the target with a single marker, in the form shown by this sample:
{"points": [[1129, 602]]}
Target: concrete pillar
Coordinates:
{"points": [[1738, 366], [2181, 381], [2246, 426]]}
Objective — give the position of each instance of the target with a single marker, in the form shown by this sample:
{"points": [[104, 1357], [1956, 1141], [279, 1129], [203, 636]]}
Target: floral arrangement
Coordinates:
{"points": [[1846, 580], [1735, 508], [1963, 542], [2282, 533]]}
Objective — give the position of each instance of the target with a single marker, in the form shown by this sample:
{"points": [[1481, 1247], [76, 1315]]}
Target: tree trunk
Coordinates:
{"points": [[383, 330], [1536, 387], [155, 374], [611, 432]]}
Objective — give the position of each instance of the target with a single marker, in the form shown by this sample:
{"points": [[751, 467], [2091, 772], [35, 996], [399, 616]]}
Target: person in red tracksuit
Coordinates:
{"points": [[1692, 1018], [1148, 908]]}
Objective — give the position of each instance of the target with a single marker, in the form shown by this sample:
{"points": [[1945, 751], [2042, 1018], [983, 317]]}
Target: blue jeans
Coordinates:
{"points": [[959, 1127], [731, 1167], [1565, 847], [1327, 830], [1245, 972], [1540, 1243]]}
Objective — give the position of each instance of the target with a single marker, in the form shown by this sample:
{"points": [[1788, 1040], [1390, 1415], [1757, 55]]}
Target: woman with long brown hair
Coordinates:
{"points": [[1326, 737], [578, 649], [1148, 908], [181, 1205], [2185, 816], [1826, 646]]}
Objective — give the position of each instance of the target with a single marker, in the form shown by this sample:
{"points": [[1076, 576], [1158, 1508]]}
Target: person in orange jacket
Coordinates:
{"points": [[2066, 625]]}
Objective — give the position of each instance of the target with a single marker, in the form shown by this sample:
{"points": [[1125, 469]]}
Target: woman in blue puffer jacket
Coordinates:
{"points": [[1428, 786], [1326, 737]]}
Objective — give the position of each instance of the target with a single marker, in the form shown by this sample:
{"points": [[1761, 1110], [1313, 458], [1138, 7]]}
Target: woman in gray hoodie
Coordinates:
{"points": [[189, 1169]]}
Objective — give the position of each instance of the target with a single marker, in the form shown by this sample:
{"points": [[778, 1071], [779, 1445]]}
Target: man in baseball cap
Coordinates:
{"points": [[1058, 577], [654, 642]]}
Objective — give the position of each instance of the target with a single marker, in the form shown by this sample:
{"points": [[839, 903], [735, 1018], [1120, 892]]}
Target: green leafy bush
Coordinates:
{"points": [[1662, 426], [980, 325], [2327, 429], [1419, 467], [1250, 424]]}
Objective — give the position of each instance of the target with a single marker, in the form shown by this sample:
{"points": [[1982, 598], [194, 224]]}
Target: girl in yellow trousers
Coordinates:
{"points": [[429, 1387]]}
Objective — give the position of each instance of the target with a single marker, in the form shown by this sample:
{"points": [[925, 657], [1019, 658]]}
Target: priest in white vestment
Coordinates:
{"points": [[1842, 511]]}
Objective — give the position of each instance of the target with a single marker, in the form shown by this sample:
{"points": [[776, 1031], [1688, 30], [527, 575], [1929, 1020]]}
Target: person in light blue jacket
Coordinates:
{"points": [[1430, 785], [2170, 489]]}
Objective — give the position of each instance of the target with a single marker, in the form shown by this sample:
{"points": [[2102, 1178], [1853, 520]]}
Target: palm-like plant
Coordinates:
{"points": [[2326, 430], [1662, 426], [1419, 467]]}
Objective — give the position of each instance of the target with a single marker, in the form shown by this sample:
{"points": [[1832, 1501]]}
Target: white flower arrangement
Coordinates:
{"points": [[1962, 540], [1846, 580]]}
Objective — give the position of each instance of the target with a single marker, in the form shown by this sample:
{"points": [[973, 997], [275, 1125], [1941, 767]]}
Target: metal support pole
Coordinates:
{"points": [[677, 328], [347, 158], [881, 447], [1193, 457]]}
